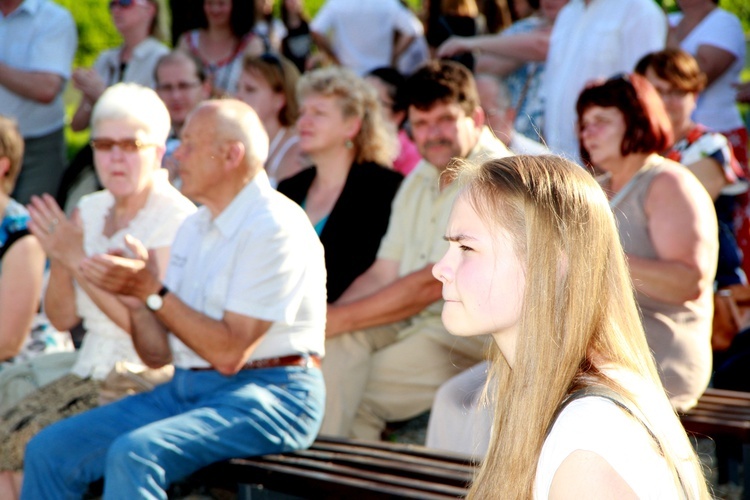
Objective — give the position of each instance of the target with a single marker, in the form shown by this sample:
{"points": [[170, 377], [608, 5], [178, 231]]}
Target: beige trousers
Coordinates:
{"points": [[390, 373]]}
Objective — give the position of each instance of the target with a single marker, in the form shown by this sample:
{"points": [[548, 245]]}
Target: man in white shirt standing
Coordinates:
{"points": [[593, 39], [359, 34], [38, 40], [241, 315]]}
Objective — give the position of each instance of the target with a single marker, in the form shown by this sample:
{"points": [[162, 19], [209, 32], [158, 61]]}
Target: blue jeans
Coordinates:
{"points": [[143, 443]]}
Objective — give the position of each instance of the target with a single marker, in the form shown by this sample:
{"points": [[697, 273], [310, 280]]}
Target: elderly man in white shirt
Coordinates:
{"points": [[241, 315], [360, 34]]}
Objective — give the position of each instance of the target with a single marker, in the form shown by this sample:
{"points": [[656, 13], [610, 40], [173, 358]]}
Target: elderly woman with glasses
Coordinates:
{"points": [[133, 61], [129, 129], [667, 226], [268, 84]]}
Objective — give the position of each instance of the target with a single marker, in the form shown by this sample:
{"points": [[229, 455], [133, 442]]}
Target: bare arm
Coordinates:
{"points": [[683, 228], [743, 92], [402, 43], [92, 86], [709, 173], [225, 343], [381, 273], [524, 47], [714, 61], [35, 85], [398, 300], [20, 290], [585, 474], [64, 246], [324, 45]]}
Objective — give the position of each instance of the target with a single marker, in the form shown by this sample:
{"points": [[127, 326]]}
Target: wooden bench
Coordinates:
{"points": [[344, 468], [723, 414]]}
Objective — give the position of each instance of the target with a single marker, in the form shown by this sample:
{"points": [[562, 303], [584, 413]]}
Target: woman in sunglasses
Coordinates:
{"points": [[268, 84], [667, 226], [133, 61], [130, 125], [221, 41], [348, 193]]}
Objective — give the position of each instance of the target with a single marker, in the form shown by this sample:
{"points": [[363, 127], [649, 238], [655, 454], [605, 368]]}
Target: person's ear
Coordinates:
{"points": [[399, 117], [4, 166], [479, 117], [206, 89], [352, 127], [234, 154], [160, 152]]}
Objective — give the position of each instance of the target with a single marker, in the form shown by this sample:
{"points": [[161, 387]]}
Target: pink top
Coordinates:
{"points": [[408, 155]]}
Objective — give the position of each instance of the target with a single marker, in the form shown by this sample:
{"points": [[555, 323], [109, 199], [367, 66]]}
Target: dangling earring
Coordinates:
{"points": [[349, 144]]}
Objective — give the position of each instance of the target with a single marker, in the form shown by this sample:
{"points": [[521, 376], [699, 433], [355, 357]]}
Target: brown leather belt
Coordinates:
{"points": [[309, 360]]}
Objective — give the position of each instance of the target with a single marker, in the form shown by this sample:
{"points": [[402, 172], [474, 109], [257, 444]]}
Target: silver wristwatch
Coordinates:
{"points": [[156, 300]]}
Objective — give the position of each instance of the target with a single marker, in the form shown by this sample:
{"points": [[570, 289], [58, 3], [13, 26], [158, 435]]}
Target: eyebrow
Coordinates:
{"points": [[458, 237]]}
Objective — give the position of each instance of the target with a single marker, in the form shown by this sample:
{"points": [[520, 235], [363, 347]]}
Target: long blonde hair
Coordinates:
{"points": [[579, 312]]}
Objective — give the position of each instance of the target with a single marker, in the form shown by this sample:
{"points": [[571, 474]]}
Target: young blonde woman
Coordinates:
{"points": [[535, 260]]}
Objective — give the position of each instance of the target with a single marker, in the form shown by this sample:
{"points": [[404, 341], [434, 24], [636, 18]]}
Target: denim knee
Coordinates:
{"points": [[132, 463]]}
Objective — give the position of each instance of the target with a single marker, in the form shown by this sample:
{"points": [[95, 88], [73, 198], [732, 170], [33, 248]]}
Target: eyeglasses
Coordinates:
{"points": [[126, 3], [126, 145], [179, 87]]}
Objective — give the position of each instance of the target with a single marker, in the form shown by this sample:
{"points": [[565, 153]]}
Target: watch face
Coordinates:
{"points": [[154, 302]]}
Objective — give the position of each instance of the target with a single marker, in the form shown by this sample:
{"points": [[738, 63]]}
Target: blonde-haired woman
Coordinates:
{"points": [[130, 125], [347, 194], [268, 84], [580, 409]]}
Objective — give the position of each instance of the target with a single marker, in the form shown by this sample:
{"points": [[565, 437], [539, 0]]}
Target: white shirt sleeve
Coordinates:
{"points": [[323, 20], [645, 31]]}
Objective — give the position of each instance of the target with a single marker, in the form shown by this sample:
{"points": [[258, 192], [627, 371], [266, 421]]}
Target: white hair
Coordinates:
{"points": [[136, 103]]}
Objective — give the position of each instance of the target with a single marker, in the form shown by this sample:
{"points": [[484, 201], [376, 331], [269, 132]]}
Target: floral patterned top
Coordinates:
{"points": [[700, 143]]}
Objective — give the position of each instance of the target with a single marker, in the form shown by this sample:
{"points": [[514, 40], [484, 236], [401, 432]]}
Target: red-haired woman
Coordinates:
{"points": [[667, 226]]}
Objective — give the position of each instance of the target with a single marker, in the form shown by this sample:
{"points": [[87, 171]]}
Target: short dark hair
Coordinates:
{"points": [[647, 125], [442, 81], [675, 66], [394, 82]]}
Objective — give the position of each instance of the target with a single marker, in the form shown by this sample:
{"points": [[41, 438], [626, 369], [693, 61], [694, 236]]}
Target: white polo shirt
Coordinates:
{"points": [[260, 257]]}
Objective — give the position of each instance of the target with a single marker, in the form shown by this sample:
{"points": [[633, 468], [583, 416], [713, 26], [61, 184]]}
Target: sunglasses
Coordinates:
{"points": [[124, 4], [125, 145]]}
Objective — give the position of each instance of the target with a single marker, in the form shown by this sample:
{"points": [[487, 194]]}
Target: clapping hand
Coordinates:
{"points": [[61, 238]]}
